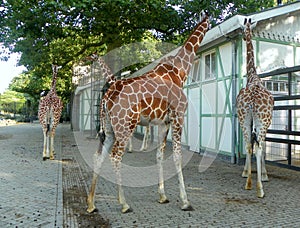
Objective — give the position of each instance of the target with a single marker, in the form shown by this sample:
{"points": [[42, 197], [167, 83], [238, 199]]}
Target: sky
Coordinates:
{"points": [[8, 70]]}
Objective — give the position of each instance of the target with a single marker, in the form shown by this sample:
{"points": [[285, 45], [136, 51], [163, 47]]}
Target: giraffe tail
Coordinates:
{"points": [[253, 139], [48, 127], [102, 136], [101, 133]]}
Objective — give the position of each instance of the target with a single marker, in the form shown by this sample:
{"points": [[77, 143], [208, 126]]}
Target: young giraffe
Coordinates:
{"points": [[49, 113], [254, 108], [156, 97], [110, 79]]}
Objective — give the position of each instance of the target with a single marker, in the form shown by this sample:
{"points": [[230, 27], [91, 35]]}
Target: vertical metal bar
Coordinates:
{"points": [[92, 99], [289, 155], [233, 117]]}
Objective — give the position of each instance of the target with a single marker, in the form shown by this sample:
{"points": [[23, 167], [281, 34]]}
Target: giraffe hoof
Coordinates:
{"points": [[45, 158], [126, 210], [245, 174], [187, 207], [163, 201], [264, 178], [260, 193], [248, 187], [92, 210]]}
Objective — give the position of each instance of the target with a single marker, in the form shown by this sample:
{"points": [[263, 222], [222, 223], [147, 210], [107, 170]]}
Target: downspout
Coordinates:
{"points": [[234, 158]]}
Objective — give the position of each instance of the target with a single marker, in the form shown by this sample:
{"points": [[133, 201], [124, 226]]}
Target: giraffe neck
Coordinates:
{"points": [[53, 86], [107, 74], [186, 55], [54, 77], [252, 76]]}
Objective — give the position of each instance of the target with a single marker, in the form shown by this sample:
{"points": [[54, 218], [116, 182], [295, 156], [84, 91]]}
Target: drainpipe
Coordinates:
{"points": [[233, 117]]}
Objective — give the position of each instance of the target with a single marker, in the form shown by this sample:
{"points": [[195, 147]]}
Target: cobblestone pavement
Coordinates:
{"points": [[53, 193], [31, 190]]}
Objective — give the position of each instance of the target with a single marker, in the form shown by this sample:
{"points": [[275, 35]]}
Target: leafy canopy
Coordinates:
{"points": [[65, 31]]}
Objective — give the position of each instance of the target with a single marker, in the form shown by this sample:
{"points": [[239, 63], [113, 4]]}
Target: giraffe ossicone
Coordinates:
{"points": [[254, 108], [156, 98], [50, 109]]}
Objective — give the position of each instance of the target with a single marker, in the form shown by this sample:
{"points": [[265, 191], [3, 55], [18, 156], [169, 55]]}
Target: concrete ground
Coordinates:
{"points": [[36, 193]]}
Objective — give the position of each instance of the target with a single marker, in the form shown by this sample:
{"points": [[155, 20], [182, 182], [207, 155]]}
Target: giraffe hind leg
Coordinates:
{"points": [[163, 132], [264, 174], [45, 145]]}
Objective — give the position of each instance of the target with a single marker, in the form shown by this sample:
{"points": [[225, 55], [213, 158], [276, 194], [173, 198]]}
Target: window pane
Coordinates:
{"points": [[275, 86], [195, 72], [207, 66], [269, 86], [213, 65]]}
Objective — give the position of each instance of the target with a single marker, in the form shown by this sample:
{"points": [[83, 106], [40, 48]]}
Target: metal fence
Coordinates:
{"points": [[283, 138]]}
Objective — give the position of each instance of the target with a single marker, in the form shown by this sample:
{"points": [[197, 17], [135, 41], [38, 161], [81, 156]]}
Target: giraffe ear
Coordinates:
{"points": [[95, 56], [203, 14], [253, 25]]}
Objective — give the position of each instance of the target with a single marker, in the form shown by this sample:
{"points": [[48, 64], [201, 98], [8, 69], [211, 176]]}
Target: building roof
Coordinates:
{"points": [[233, 25]]}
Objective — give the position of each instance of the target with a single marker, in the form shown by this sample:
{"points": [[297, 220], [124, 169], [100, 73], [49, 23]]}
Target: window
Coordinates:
{"points": [[282, 87], [195, 72], [269, 86], [210, 66], [276, 86]]}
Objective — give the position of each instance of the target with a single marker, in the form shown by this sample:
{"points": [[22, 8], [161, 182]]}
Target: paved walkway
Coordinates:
{"points": [[31, 190], [53, 193]]}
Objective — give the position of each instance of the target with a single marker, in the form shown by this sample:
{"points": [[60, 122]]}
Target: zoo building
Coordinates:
{"points": [[217, 75]]}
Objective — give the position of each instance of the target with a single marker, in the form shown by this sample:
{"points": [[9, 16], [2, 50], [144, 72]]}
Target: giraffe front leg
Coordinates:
{"points": [[145, 139], [130, 145], [91, 196], [178, 163], [177, 156]]}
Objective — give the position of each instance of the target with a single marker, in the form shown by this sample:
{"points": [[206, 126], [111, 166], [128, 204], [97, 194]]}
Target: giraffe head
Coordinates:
{"points": [[93, 57], [55, 68], [248, 27]]}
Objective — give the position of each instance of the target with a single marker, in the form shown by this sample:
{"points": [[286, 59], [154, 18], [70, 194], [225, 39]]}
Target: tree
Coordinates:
{"points": [[63, 32], [12, 102]]}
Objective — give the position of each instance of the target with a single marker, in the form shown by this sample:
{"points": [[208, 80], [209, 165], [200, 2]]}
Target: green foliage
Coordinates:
{"points": [[12, 102], [64, 32]]}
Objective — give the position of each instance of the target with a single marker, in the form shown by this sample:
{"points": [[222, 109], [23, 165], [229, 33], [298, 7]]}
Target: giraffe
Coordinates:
{"points": [[110, 79], [156, 98], [144, 145], [49, 113], [254, 108]]}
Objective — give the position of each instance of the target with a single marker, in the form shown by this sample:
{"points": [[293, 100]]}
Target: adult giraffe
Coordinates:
{"points": [[109, 80], [49, 113], [254, 108], [155, 98]]}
